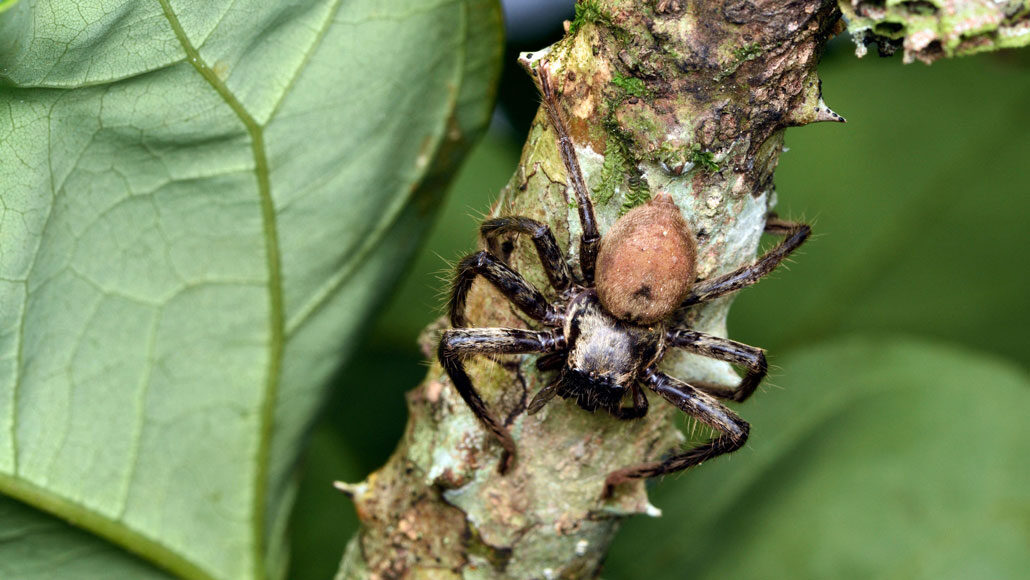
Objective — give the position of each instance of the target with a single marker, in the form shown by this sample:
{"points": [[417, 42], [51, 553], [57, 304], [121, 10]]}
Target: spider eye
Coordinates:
{"points": [[647, 262]]}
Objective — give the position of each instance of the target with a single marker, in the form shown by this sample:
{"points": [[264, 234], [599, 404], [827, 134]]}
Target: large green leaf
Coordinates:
{"points": [[881, 458], [202, 201]]}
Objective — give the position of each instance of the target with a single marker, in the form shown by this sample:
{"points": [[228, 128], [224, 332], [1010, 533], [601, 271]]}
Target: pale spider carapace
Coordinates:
{"points": [[610, 326]]}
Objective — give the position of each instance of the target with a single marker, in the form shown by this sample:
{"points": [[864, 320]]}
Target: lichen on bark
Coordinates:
{"points": [[693, 99], [927, 30]]}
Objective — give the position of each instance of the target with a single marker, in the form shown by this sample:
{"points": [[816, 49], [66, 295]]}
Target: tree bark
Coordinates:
{"points": [[688, 98], [927, 30]]}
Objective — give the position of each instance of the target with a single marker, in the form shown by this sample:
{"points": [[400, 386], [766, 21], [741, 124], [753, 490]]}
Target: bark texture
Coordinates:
{"points": [[927, 30], [687, 98]]}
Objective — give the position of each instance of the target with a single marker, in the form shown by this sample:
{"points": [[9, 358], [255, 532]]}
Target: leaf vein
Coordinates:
{"points": [[371, 240], [141, 401], [315, 43], [275, 286]]}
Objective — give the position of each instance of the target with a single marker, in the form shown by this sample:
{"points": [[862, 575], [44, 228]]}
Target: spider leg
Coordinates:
{"points": [[796, 233], [459, 343], [749, 357], [590, 239], [551, 362], [700, 406], [550, 255], [508, 281]]}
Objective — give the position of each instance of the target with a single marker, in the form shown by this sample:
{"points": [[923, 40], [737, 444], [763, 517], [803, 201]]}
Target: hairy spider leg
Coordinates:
{"points": [[508, 281], [590, 240], [796, 234], [700, 406], [551, 256], [749, 357], [775, 225], [459, 343]]}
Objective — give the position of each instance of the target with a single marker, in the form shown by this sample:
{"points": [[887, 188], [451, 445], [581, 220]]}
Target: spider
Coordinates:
{"points": [[609, 328]]}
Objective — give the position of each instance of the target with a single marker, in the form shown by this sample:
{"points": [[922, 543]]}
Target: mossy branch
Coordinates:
{"points": [[927, 30]]}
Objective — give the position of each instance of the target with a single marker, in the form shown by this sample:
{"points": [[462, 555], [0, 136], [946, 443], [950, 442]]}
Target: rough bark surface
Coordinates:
{"points": [[927, 30], [688, 98]]}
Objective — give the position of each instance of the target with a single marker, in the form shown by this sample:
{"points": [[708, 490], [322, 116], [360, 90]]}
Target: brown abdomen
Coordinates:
{"points": [[646, 263]]}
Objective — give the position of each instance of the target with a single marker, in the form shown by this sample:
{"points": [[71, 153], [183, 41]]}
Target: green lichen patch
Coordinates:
{"points": [[630, 86], [703, 160], [673, 157], [587, 11], [931, 29], [679, 159], [747, 52], [613, 171], [623, 166], [638, 194], [741, 54]]}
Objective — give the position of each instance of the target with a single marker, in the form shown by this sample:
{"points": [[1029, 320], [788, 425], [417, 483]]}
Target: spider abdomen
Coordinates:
{"points": [[646, 263]]}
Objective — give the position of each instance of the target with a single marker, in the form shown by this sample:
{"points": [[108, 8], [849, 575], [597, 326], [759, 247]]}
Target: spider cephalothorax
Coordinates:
{"points": [[610, 327]]}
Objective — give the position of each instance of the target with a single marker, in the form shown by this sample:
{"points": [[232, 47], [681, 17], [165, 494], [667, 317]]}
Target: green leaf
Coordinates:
{"points": [[877, 458], [202, 204], [36, 547]]}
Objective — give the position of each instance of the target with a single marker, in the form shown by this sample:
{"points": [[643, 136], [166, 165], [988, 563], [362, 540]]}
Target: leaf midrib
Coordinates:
{"points": [[116, 531], [275, 286]]}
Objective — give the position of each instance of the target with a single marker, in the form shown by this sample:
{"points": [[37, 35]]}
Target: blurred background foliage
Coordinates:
{"points": [[890, 439]]}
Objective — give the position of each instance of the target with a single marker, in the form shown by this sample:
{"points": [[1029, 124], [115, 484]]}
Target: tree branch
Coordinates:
{"points": [[931, 29], [688, 98]]}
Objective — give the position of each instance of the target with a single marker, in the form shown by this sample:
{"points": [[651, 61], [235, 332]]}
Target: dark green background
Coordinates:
{"points": [[890, 439]]}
